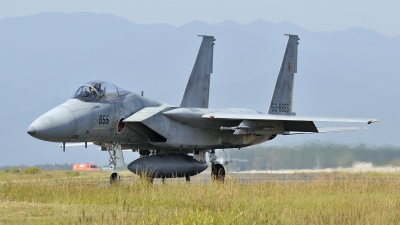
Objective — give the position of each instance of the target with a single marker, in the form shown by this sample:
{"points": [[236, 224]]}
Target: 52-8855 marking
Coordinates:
{"points": [[281, 107]]}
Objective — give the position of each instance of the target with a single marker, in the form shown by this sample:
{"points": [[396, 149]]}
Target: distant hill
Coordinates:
{"points": [[45, 57]]}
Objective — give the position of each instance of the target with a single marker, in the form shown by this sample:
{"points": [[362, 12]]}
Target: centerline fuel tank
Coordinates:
{"points": [[167, 166]]}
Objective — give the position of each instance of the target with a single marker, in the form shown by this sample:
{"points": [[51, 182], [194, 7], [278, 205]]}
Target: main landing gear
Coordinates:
{"points": [[217, 170], [114, 178], [112, 151]]}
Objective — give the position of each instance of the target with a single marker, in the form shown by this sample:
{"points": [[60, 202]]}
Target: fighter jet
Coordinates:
{"points": [[172, 141]]}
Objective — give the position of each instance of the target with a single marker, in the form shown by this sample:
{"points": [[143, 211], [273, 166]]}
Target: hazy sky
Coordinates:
{"points": [[315, 15]]}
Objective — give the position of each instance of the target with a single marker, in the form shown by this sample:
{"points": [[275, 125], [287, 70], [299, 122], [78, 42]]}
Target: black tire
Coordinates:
{"points": [[114, 178], [217, 173]]}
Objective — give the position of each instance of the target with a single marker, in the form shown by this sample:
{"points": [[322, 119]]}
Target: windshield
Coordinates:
{"points": [[97, 91]]}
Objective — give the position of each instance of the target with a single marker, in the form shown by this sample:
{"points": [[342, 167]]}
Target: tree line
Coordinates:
{"points": [[312, 155], [55, 166]]}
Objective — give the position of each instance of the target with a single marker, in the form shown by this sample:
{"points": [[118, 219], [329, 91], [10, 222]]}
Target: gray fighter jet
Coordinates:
{"points": [[173, 140]]}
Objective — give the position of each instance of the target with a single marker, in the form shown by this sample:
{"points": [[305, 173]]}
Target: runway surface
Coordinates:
{"points": [[357, 171]]}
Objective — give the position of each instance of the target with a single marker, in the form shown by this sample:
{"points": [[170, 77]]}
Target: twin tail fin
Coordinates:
{"points": [[282, 98], [198, 87]]}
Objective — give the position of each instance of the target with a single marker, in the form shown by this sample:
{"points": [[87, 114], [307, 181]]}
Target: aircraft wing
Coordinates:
{"points": [[270, 117], [282, 124]]}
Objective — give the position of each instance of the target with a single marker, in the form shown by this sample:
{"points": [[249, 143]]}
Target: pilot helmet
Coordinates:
{"points": [[96, 85]]}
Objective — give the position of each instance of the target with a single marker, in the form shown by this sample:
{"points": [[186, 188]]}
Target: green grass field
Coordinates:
{"points": [[62, 197]]}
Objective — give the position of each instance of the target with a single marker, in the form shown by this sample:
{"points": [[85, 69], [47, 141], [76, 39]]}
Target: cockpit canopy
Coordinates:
{"points": [[98, 90]]}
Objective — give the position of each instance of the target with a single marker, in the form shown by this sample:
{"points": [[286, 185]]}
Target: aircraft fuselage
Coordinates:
{"points": [[102, 122]]}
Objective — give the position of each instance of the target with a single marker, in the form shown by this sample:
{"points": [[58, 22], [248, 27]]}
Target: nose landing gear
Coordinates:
{"points": [[116, 159], [114, 178]]}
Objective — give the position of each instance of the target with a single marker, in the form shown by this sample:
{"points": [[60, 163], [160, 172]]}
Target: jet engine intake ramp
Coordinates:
{"points": [[282, 99], [198, 87]]}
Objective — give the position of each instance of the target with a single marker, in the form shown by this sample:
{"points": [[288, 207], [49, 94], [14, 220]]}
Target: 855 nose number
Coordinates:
{"points": [[103, 119]]}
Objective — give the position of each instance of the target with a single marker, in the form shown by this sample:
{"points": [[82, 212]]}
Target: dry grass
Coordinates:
{"points": [[59, 197]]}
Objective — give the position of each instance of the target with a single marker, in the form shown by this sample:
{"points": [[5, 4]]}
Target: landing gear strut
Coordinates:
{"points": [[217, 170], [112, 151]]}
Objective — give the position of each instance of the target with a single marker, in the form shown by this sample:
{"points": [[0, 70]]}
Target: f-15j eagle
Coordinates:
{"points": [[173, 140]]}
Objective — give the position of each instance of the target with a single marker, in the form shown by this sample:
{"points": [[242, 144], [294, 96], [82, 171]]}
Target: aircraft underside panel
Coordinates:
{"points": [[304, 126]]}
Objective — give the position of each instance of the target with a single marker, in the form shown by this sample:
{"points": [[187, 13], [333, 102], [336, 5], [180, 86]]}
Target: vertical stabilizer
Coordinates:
{"points": [[282, 99], [198, 87]]}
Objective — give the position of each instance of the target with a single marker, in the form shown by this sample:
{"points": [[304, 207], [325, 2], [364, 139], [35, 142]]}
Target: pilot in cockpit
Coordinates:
{"points": [[93, 92], [98, 91]]}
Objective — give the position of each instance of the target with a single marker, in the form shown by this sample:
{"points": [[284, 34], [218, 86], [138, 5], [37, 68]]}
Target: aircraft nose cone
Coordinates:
{"points": [[56, 125], [31, 131]]}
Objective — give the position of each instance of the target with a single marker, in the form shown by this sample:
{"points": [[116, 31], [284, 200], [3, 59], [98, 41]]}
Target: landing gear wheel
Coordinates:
{"points": [[114, 178], [217, 173], [187, 178]]}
